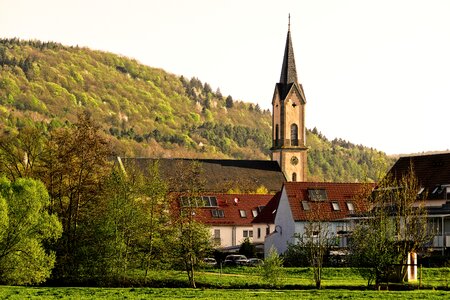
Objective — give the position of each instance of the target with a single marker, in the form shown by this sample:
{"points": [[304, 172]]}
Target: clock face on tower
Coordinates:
{"points": [[294, 160]]}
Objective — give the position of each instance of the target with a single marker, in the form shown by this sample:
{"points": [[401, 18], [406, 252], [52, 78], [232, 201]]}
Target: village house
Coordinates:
{"points": [[302, 203], [230, 216], [433, 175]]}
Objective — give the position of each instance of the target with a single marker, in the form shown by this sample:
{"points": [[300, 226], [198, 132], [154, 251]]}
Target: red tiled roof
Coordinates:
{"points": [[231, 204], [341, 193], [267, 215]]}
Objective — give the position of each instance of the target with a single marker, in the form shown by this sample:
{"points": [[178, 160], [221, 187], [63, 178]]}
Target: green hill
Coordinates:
{"points": [[148, 112]]}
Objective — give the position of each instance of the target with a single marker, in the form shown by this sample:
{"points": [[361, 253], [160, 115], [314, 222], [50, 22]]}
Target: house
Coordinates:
{"points": [[230, 216], [264, 223], [302, 203], [433, 175]]}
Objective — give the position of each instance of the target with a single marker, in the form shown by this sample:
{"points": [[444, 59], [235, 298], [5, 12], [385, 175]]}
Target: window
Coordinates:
{"points": [[335, 205], [184, 201], [216, 238], [209, 201], [342, 229], [259, 233], [217, 213], [294, 135], [317, 194], [204, 201], [267, 230], [260, 208], [305, 205], [247, 233], [294, 176], [350, 206], [243, 213], [254, 213], [277, 134]]}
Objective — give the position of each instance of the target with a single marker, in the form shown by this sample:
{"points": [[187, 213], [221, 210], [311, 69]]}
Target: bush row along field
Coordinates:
{"points": [[245, 282]]}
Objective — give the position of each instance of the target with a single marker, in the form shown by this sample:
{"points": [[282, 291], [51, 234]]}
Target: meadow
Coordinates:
{"points": [[245, 283], [187, 293]]}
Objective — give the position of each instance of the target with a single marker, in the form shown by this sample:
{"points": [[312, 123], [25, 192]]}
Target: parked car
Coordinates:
{"points": [[235, 260], [254, 262], [209, 261]]}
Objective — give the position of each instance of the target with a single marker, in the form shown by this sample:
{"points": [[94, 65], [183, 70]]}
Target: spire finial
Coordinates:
{"points": [[289, 22]]}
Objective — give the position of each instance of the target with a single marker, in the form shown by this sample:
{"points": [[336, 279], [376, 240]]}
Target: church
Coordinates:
{"points": [[288, 119], [240, 199], [288, 152], [269, 201]]}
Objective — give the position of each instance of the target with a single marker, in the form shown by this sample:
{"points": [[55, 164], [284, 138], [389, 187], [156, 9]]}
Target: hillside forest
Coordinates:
{"points": [[147, 112]]}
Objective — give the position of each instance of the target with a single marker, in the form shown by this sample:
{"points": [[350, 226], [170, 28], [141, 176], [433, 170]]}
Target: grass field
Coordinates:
{"points": [[185, 293], [245, 283]]}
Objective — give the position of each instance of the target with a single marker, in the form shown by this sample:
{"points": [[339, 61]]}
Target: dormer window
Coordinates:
{"points": [[317, 194]]}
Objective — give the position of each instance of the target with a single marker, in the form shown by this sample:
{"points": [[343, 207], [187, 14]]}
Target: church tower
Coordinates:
{"points": [[288, 119]]}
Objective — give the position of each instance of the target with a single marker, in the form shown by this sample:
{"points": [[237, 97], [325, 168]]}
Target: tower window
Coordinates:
{"points": [[294, 135], [277, 134], [294, 176]]}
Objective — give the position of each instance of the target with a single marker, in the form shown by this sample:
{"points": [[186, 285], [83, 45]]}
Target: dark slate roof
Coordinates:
{"points": [[267, 215], [336, 192], [288, 77], [220, 175], [431, 171], [288, 70]]}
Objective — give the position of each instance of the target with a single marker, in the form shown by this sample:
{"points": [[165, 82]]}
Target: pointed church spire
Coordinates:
{"points": [[288, 70], [289, 23]]}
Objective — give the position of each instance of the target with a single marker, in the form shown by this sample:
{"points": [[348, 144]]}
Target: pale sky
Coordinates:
{"points": [[375, 72]]}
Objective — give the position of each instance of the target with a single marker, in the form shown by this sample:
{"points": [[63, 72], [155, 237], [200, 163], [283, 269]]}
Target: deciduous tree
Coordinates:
{"points": [[25, 225], [76, 165], [315, 242], [272, 270], [395, 226], [193, 239]]}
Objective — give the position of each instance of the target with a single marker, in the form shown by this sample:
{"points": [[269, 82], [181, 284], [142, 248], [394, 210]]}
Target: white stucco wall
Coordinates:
{"points": [[263, 230], [284, 227], [231, 235]]}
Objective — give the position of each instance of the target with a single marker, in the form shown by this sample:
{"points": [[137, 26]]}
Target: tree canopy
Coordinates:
{"points": [[148, 112], [25, 225]]}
